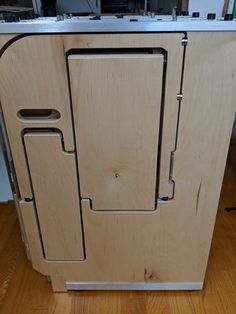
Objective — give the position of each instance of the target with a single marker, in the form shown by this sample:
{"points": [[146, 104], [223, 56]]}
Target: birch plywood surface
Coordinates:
{"points": [[4, 39], [181, 230], [116, 103], [38, 79], [23, 290], [53, 174], [171, 244]]}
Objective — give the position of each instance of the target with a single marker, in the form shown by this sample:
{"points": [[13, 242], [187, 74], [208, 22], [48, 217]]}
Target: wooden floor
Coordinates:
{"points": [[23, 290]]}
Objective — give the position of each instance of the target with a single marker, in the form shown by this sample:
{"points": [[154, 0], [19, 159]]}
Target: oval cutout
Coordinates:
{"points": [[38, 114]]}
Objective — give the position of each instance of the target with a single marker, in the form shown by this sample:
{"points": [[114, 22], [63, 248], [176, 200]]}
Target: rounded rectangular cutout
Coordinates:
{"points": [[38, 114]]}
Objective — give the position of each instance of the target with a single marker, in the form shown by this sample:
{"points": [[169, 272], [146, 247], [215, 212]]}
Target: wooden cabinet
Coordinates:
{"points": [[119, 143]]}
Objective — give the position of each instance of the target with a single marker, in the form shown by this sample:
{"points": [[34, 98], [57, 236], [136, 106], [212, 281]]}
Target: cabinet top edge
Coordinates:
{"points": [[111, 25]]}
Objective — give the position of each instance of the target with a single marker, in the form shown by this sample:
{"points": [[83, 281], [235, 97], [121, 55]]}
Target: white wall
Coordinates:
{"points": [[206, 6]]}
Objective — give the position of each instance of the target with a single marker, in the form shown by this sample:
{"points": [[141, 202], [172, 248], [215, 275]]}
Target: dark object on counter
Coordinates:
{"points": [[15, 14], [49, 7], [211, 16], [114, 6], [182, 13], [196, 14], [228, 17]]}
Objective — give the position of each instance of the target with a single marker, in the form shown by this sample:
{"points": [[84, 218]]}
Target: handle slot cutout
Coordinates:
{"points": [[38, 114]]}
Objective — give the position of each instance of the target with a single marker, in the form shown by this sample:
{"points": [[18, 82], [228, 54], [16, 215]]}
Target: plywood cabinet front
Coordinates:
{"points": [[119, 143], [116, 101]]}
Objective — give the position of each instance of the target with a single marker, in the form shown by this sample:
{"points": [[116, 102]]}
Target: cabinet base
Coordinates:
{"points": [[133, 286]]}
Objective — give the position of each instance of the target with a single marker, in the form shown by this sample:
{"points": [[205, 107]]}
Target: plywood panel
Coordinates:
{"points": [[35, 248], [35, 77], [117, 102], [173, 243], [4, 39], [33, 80], [54, 181]]}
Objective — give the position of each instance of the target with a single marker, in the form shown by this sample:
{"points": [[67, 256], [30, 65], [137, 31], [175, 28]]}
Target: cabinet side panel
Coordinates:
{"points": [[206, 121], [173, 243]]}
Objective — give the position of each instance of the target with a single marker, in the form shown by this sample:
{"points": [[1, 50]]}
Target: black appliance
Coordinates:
{"points": [[114, 6], [15, 14]]}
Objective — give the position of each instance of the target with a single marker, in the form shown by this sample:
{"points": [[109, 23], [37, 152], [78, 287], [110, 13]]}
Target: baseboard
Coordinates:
{"points": [[72, 285]]}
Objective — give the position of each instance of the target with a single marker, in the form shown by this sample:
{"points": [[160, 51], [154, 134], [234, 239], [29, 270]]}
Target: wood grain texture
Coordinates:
{"points": [[33, 82], [53, 174], [26, 291], [33, 236], [172, 244], [38, 79], [5, 38], [117, 127]]}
